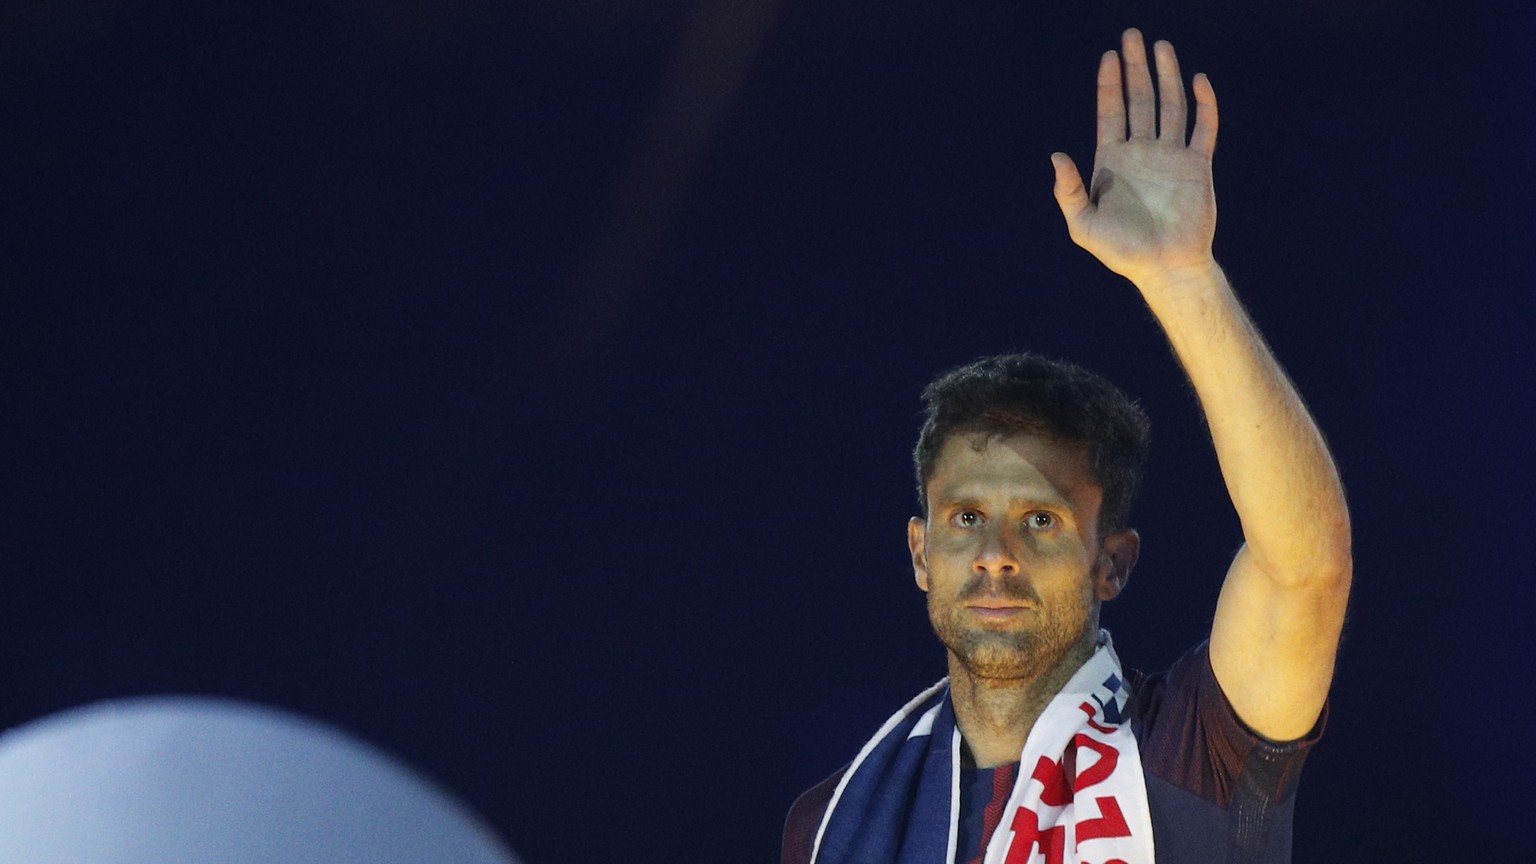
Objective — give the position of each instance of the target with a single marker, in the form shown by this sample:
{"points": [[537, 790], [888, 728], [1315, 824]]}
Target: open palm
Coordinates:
{"points": [[1150, 207]]}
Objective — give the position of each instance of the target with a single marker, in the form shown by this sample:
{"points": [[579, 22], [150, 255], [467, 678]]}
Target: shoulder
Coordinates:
{"points": [[805, 819]]}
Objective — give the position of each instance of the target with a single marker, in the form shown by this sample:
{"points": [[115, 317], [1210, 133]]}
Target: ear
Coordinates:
{"points": [[1117, 556], [917, 533]]}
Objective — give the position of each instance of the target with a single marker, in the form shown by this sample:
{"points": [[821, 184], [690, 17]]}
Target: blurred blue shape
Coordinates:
{"points": [[177, 779]]}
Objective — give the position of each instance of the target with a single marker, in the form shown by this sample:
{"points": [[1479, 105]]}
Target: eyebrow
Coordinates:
{"points": [[1014, 503]]}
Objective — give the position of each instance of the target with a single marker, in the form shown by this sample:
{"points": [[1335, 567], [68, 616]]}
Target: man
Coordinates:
{"points": [[1038, 747]]}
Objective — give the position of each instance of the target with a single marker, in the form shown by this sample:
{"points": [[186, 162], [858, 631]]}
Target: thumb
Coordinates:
{"points": [[1070, 194]]}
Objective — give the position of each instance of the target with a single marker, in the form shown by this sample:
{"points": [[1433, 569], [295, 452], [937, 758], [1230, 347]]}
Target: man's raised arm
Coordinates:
{"points": [[1150, 215]]}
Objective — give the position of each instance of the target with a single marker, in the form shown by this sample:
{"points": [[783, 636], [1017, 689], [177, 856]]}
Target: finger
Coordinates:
{"points": [[1204, 137], [1111, 105], [1071, 197], [1141, 102], [1170, 93]]}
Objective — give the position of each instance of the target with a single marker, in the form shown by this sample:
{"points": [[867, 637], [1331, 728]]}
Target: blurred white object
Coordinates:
{"points": [[191, 780]]}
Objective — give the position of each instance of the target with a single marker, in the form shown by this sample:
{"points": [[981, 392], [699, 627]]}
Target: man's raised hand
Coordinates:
{"points": [[1150, 211]]}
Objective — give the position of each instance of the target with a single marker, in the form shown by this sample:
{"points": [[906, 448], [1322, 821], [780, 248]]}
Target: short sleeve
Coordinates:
{"points": [[1190, 736], [804, 820]]}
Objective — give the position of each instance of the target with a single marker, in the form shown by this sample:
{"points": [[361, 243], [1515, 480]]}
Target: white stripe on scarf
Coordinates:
{"points": [[1091, 806]]}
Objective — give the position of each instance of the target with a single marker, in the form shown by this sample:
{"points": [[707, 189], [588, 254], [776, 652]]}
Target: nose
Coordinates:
{"points": [[995, 556]]}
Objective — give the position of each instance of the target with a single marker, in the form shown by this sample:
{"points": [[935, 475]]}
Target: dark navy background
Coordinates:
{"points": [[529, 388]]}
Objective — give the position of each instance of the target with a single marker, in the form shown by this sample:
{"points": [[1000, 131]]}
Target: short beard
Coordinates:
{"points": [[1013, 655]]}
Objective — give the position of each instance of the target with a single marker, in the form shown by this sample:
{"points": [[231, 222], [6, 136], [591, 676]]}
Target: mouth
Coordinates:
{"points": [[997, 611]]}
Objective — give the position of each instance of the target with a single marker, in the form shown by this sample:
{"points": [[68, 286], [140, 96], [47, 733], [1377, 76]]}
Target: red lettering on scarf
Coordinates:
{"points": [[1087, 708], [1111, 824], [1057, 789], [1112, 821], [1108, 759], [1027, 833]]}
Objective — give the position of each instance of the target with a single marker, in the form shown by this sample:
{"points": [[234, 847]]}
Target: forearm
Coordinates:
{"points": [[1276, 465]]}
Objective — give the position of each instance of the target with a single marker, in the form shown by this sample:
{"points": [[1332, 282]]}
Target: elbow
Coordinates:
{"points": [[1330, 562], [1319, 560]]}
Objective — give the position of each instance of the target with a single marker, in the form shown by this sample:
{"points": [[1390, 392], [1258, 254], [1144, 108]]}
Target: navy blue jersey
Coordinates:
{"points": [[1217, 791]]}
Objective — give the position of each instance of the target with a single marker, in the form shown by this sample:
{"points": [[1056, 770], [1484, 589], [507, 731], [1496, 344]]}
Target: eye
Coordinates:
{"points": [[1040, 521], [966, 519]]}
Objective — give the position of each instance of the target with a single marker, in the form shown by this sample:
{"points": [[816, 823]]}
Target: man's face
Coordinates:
{"points": [[1010, 554]]}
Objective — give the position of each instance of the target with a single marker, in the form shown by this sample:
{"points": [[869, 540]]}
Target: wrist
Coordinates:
{"points": [[1185, 293], [1182, 277]]}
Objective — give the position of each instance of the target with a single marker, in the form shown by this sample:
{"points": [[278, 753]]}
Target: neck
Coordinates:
{"points": [[995, 715]]}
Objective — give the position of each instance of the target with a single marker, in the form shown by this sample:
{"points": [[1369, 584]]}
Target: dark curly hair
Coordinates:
{"points": [[1025, 393]]}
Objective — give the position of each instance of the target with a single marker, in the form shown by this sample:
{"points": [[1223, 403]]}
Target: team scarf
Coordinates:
{"points": [[1082, 798]]}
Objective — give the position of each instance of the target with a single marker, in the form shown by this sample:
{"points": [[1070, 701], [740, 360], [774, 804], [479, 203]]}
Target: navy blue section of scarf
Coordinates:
{"points": [[895, 806]]}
